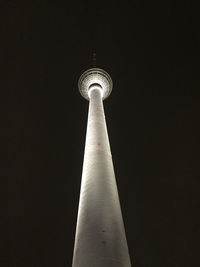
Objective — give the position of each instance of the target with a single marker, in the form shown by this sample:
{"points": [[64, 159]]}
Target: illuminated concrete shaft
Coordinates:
{"points": [[100, 237]]}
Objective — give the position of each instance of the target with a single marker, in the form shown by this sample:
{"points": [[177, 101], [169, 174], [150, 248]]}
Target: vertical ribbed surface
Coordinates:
{"points": [[100, 237]]}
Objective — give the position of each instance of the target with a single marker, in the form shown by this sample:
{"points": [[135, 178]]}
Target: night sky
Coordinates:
{"points": [[151, 51]]}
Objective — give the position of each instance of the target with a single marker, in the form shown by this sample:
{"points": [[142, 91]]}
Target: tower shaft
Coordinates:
{"points": [[100, 236]]}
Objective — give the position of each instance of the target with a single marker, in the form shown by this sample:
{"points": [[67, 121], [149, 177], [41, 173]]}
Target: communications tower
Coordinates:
{"points": [[100, 239]]}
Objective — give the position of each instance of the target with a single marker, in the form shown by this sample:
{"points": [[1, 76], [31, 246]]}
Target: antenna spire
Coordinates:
{"points": [[94, 59]]}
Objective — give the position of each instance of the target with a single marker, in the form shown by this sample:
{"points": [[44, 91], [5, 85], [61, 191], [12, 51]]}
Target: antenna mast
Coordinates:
{"points": [[94, 60]]}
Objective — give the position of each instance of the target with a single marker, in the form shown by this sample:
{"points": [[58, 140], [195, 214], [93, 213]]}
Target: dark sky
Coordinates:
{"points": [[151, 50]]}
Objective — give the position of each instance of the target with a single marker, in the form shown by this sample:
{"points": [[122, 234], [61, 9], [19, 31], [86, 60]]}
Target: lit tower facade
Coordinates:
{"points": [[100, 236]]}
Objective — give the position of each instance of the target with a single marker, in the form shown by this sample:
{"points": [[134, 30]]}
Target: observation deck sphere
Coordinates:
{"points": [[98, 77]]}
